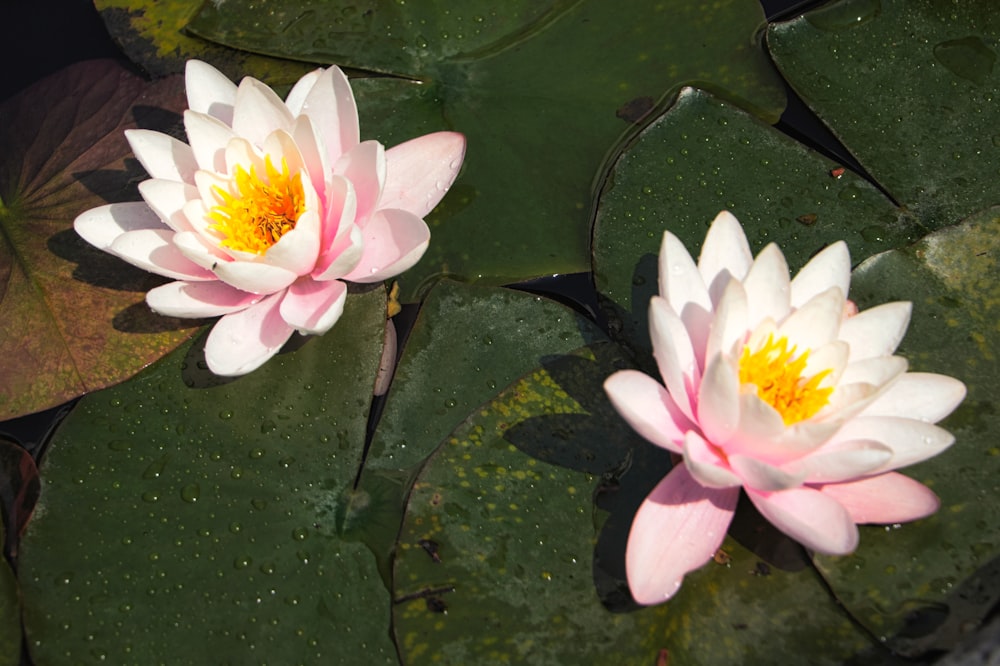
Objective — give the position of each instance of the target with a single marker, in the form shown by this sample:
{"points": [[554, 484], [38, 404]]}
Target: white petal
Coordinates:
{"points": [[911, 441], [419, 172], [102, 225], [876, 331], [917, 395], [674, 355], [364, 166], [761, 476], [297, 95], [194, 246], [259, 111], [257, 278], [331, 106], [243, 341], [719, 401], [392, 242], [876, 371], [313, 307], [841, 461], [681, 285], [209, 137], [153, 250], [167, 199], [767, 286], [648, 408], [816, 323], [209, 91], [198, 299], [162, 156], [725, 254], [829, 268], [729, 326]]}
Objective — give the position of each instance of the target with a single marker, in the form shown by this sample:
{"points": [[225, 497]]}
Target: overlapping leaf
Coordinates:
{"points": [[542, 91], [72, 319]]}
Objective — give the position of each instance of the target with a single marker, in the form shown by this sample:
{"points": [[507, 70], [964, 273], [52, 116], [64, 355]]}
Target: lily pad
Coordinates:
{"points": [[152, 35], [72, 319], [495, 558], [187, 518], [918, 585], [10, 613], [702, 156], [910, 87], [542, 91]]}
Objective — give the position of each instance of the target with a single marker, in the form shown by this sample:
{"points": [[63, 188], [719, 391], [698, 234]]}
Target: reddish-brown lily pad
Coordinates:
{"points": [[72, 319]]}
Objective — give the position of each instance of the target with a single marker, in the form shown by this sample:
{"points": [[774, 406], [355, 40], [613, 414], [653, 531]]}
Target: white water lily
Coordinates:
{"points": [[270, 209], [779, 387]]}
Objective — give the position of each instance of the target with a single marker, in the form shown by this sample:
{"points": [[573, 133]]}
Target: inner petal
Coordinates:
{"points": [[777, 374]]}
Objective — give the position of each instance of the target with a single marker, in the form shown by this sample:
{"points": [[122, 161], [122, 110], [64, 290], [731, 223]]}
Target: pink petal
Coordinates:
{"points": [[331, 106], [648, 408], [674, 355], [911, 441], [346, 253], [208, 137], [102, 225], [917, 395], [198, 299], [725, 254], [835, 462], [810, 517], [153, 250], [255, 277], [884, 499], [419, 172], [719, 401], [313, 152], [830, 268], [259, 111], [364, 166], [297, 95], [243, 341], [167, 199], [676, 530], [341, 242], [762, 476], [394, 240], [706, 464], [313, 307], [209, 91], [682, 287], [767, 286], [877, 331], [162, 156]]}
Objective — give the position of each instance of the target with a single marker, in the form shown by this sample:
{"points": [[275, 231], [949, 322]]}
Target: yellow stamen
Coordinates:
{"points": [[261, 211], [777, 374]]}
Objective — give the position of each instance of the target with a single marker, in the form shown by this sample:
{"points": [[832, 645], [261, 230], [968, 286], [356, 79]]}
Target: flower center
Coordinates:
{"points": [[777, 374], [261, 211]]}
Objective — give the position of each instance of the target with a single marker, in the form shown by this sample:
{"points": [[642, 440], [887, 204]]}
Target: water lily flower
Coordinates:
{"points": [[778, 387], [270, 209]]}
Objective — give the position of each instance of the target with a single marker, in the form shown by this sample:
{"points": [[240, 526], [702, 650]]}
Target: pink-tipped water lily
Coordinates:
{"points": [[777, 386], [270, 209]]}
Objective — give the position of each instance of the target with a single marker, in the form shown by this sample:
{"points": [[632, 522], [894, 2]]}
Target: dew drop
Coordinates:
{"points": [[191, 492]]}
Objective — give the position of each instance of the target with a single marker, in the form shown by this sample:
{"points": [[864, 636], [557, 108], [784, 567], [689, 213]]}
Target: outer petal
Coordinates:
{"points": [[812, 518], [419, 172], [153, 251], [243, 341], [167, 199], [346, 253], [102, 225], [209, 91], [297, 95], [836, 462], [330, 103], [394, 240], [911, 441], [648, 408], [917, 395], [198, 299], [761, 476], [877, 371], [719, 401], [674, 354], [816, 323], [313, 307], [877, 331], [725, 254], [829, 268], [729, 326], [676, 530], [683, 288], [162, 156], [887, 498], [257, 278], [259, 111]]}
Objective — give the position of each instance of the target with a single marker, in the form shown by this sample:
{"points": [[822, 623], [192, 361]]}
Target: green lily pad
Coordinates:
{"points": [[703, 156], [910, 87], [152, 35], [542, 91], [467, 344], [72, 319], [495, 559], [923, 586], [186, 518]]}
